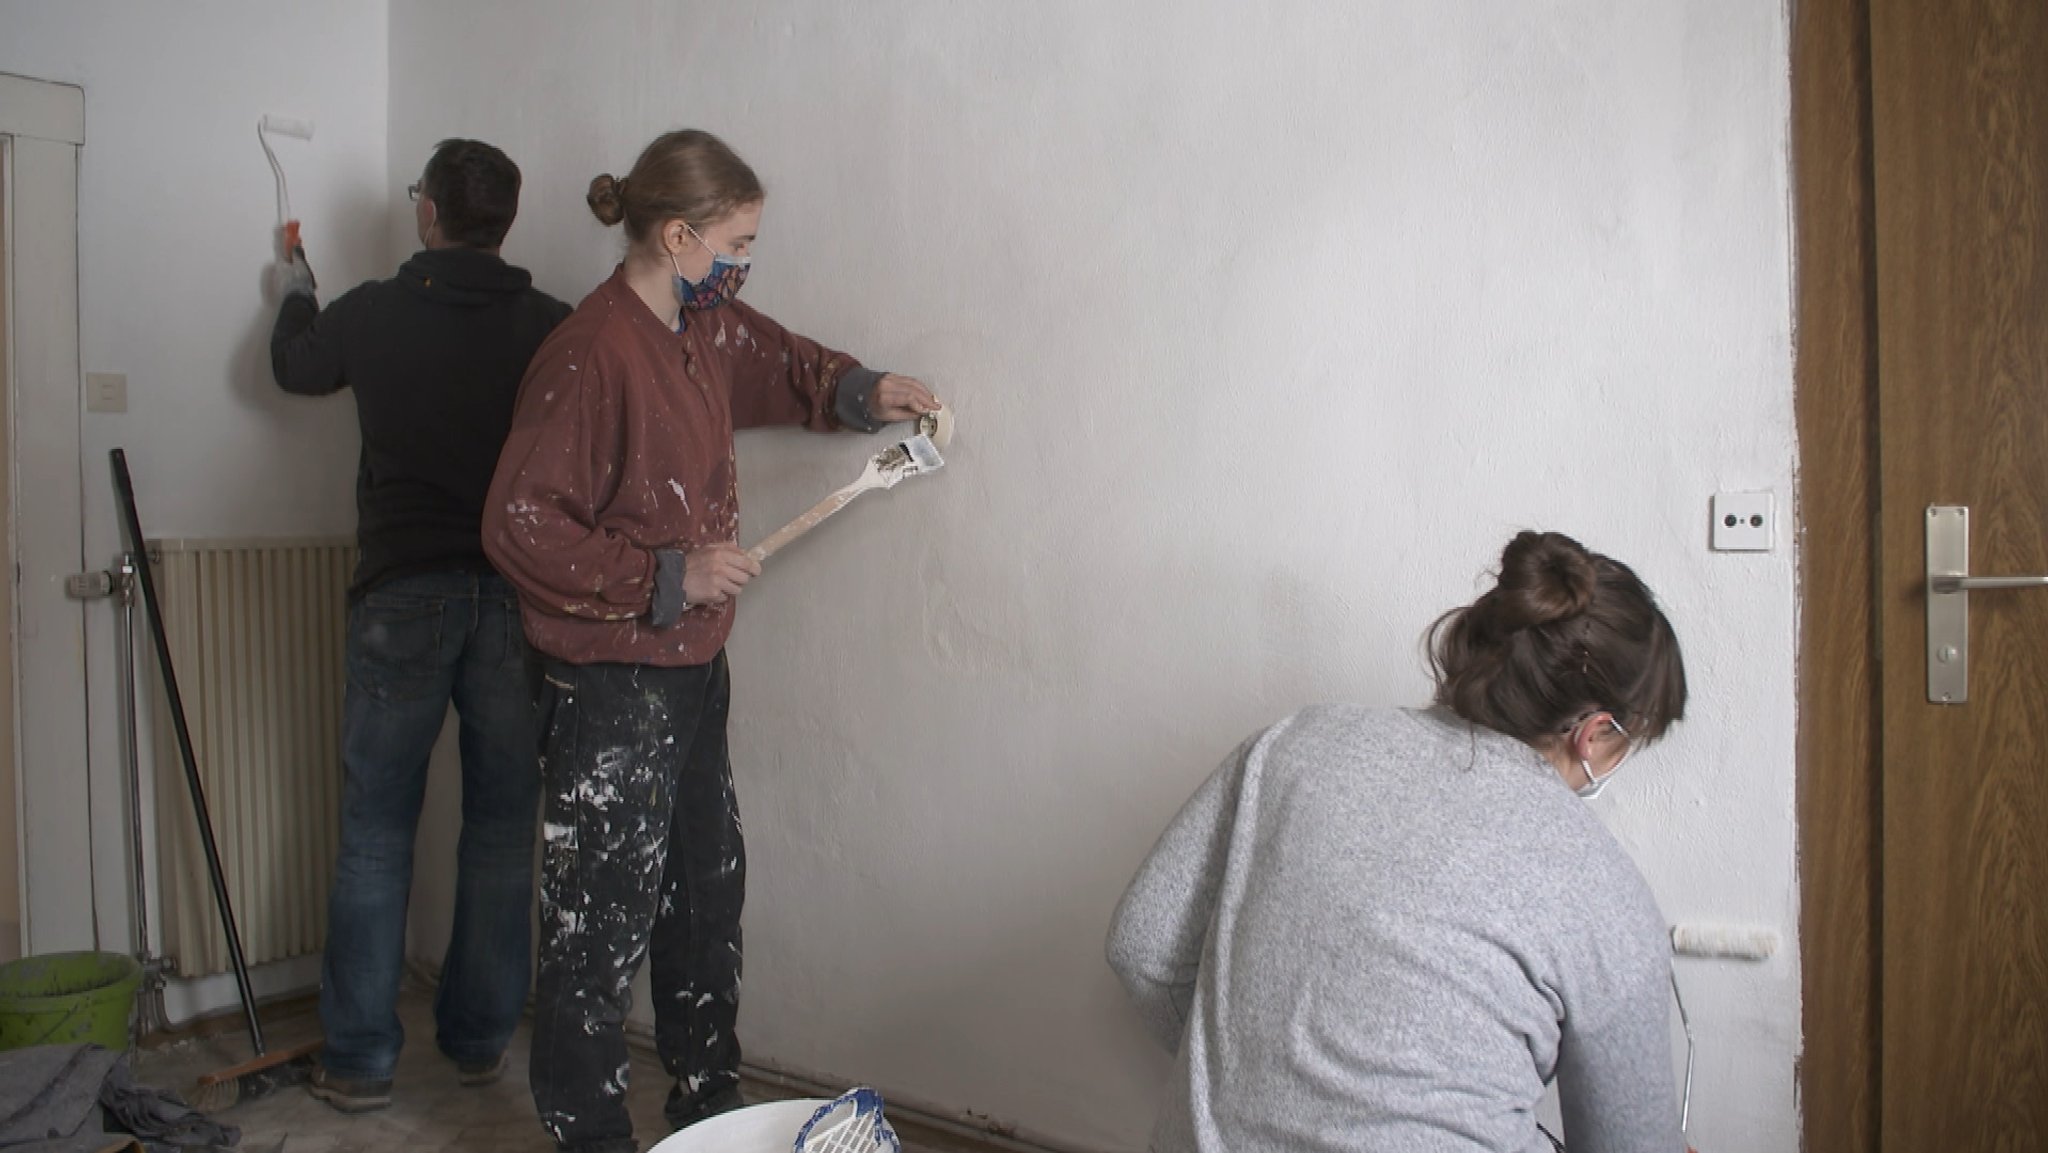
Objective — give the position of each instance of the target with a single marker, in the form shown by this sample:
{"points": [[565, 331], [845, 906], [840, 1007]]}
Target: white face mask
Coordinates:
{"points": [[1596, 784]]}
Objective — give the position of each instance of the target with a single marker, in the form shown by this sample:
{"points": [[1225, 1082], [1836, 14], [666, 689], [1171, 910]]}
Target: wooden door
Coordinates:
{"points": [[1959, 150]]}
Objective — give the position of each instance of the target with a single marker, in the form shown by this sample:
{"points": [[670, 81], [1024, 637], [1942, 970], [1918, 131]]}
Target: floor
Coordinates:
{"points": [[429, 1111]]}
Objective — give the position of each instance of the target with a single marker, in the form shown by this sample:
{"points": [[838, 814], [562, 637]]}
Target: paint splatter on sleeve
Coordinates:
{"points": [[543, 525], [778, 377]]}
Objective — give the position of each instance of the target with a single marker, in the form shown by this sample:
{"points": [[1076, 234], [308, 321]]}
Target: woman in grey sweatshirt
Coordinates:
{"points": [[1379, 929]]}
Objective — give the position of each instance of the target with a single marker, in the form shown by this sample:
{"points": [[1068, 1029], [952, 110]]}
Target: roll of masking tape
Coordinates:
{"points": [[938, 426]]}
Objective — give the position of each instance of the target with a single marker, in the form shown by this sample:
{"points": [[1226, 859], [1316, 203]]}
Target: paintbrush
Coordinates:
{"points": [[886, 469]]}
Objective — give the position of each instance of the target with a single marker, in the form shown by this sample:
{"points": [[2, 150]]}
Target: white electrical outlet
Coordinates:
{"points": [[1744, 522], [106, 392]]}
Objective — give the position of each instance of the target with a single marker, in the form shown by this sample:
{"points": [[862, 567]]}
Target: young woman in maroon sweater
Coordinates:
{"points": [[614, 513]]}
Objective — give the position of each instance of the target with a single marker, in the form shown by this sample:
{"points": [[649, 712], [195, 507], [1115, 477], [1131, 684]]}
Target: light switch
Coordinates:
{"points": [[106, 392], [1744, 522]]}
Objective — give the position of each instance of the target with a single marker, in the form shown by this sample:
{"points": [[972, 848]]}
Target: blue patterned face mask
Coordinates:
{"points": [[719, 285]]}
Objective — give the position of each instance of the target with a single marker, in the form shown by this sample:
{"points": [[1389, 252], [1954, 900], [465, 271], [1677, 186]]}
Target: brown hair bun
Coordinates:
{"points": [[605, 201], [1545, 577], [1563, 631]]}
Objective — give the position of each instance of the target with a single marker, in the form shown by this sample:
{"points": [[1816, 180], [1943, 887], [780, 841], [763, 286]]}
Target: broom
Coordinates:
{"points": [[266, 1071]]}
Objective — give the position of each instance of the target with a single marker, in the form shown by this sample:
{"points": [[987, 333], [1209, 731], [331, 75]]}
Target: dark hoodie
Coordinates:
{"points": [[435, 355]]}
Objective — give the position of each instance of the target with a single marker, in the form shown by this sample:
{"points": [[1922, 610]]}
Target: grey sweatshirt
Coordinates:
{"points": [[1388, 930]]}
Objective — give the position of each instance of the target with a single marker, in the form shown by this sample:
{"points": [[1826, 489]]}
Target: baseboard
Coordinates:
{"points": [[272, 1010], [921, 1123]]}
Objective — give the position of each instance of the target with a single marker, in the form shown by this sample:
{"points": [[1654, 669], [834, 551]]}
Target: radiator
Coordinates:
{"points": [[257, 630]]}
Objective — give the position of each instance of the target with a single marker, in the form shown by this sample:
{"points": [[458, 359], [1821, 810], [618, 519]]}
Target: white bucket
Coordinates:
{"points": [[768, 1128]]}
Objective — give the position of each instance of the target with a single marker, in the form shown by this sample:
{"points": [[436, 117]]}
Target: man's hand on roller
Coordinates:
{"points": [[716, 573], [293, 277], [901, 398]]}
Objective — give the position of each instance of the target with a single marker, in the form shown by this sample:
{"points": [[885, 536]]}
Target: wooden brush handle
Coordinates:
{"points": [[807, 522]]}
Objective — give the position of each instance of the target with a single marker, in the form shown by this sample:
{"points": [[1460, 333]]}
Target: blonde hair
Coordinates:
{"points": [[687, 174]]}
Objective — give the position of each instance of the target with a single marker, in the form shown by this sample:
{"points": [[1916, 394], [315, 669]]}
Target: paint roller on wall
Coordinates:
{"points": [[1708, 942], [287, 224], [1723, 942]]}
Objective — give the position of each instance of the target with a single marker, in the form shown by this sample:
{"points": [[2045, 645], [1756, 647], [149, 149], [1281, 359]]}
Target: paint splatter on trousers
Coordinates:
{"points": [[643, 851]]}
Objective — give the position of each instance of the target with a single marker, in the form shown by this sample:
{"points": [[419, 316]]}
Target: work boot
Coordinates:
{"points": [[682, 1115], [349, 1096], [477, 1074]]}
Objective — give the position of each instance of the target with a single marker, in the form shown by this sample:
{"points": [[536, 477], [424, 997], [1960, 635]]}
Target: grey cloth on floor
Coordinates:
{"points": [[50, 1097], [1383, 929], [84, 1099], [161, 1119]]}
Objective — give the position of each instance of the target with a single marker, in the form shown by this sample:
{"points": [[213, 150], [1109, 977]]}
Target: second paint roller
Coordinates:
{"points": [[288, 225]]}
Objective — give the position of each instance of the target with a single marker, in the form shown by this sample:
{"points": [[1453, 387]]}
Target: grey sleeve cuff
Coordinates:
{"points": [[856, 387], [669, 602]]}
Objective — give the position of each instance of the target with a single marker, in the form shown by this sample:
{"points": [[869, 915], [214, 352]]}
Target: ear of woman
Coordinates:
{"points": [[1599, 744]]}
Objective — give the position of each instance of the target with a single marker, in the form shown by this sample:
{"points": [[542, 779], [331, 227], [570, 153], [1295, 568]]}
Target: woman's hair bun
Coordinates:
{"points": [[605, 199], [1545, 577], [1563, 631]]}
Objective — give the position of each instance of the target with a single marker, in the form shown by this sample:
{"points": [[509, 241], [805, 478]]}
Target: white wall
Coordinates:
{"points": [[176, 223], [1266, 326]]}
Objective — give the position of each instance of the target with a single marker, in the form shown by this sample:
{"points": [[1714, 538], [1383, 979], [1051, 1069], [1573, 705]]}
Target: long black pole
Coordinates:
{"points": [[124, 489]]}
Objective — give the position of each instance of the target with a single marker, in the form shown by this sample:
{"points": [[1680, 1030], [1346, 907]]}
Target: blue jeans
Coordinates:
{"points": [[414, 645]]}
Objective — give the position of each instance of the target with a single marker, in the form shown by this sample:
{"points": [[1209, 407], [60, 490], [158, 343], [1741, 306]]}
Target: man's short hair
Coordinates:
{"points": [[475, 190]]}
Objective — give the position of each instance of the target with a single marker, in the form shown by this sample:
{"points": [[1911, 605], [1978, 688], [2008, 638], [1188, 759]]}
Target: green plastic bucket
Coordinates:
{"points": [[65, 998]]}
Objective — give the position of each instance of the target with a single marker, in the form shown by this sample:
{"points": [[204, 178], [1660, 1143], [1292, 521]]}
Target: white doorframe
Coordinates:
{"points": [[45, 124]]}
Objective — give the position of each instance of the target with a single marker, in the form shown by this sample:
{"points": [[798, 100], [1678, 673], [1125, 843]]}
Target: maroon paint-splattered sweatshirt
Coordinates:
{"points": [[621, 458]]}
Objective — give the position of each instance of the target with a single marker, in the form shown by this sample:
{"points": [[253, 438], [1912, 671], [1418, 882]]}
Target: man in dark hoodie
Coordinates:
{"points": [[435, 356]]}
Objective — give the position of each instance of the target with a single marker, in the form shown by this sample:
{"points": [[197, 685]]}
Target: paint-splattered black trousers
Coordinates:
{"points": [[642, 849]]}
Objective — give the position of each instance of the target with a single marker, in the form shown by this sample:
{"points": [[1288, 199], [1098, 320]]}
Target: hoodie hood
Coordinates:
{"points": [[462, 276]]}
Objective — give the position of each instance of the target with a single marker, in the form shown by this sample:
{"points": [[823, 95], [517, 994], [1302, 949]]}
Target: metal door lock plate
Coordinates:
{"points": [[1949, 584], [1948, 614]]}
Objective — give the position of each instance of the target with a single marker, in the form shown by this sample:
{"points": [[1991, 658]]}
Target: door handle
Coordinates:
{"points": [[1949, 585], [1963, 584]]}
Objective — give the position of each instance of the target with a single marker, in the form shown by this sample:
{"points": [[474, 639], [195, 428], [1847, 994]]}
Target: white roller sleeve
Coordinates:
{"points": [[1732, 942]]}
